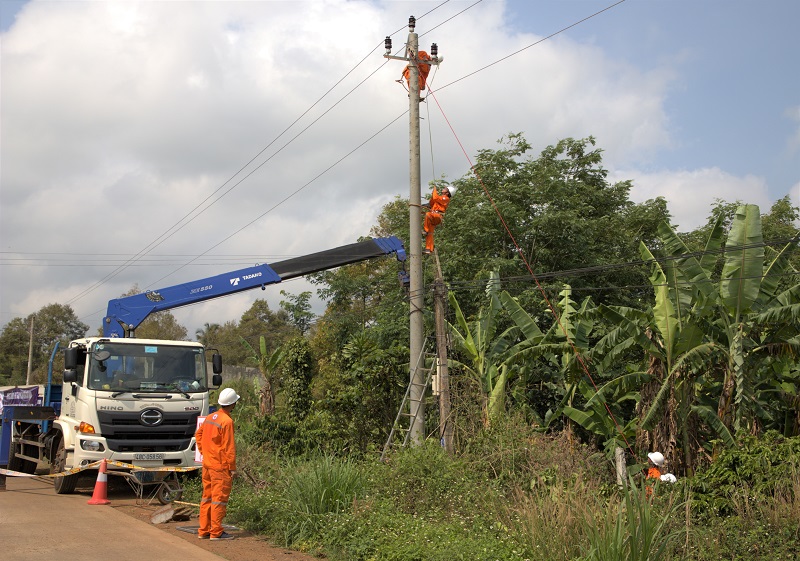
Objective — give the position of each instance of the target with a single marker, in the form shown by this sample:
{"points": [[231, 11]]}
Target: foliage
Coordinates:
{"points": [[639, 532], [513, 494], [756, 470], [316, 490], [298, 370], [268, 365], [298, 309], [563, 214], [52, 323]]}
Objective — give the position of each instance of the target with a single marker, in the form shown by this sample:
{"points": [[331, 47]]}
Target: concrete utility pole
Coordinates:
{"points": [[28, 378], [442, 371], [416, 327]]}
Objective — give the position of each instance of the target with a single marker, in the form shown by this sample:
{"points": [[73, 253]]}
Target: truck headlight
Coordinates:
{"points": [[92, 446]]}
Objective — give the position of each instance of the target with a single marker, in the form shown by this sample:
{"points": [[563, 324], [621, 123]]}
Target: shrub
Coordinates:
{"points": [[759, 469]]}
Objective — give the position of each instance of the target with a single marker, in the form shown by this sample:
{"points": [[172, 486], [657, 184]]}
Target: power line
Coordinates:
{"points": [[194, 213]]}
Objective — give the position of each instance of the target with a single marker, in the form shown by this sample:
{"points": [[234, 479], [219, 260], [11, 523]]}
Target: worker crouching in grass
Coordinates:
{"points": [[215, 442]]}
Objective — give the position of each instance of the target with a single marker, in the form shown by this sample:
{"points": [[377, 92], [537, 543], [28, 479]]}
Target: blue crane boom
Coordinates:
{"points": [[124, 315]]}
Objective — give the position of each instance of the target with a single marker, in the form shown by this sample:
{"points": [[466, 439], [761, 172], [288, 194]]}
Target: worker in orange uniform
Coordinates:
{"points": [[424, 69], [215, 442], [654, 472], [436, 208]]}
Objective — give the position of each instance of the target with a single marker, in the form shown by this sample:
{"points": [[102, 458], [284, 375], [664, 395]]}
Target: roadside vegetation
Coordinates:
{"points": [[635, 336]]}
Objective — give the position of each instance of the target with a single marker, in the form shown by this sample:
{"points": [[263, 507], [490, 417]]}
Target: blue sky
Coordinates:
{"points": [[738, 74], [118, 119]]}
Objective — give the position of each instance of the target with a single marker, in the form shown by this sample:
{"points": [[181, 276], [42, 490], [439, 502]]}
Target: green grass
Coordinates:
{"points": [[515, 494]]}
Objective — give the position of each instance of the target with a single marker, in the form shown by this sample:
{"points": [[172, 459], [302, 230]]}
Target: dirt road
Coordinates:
{"points": [[38, 525]]}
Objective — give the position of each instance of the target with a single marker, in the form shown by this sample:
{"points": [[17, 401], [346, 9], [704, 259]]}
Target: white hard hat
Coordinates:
{"points": [[656, 457], [452, 190], [228, 396]]}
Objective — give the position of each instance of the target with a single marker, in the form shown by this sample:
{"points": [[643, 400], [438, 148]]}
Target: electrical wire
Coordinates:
{"points": [[195, 213]]}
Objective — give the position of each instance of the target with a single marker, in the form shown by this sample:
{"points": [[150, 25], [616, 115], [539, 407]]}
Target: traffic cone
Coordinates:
{"points": [[100, 487]]}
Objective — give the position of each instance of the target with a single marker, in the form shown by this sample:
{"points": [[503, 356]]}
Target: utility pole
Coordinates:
{"points": [[416, 326], [28, 380], [442, 371]]}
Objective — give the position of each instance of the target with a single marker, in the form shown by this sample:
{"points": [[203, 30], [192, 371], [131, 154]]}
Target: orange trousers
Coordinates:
{"points": [[214, 504], [432, 220]]}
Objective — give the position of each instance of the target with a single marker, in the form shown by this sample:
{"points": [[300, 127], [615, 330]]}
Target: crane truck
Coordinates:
{"points": [[136, 401]]}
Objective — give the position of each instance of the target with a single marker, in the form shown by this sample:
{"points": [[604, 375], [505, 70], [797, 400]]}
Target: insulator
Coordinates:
{"points": [[388, 44], [412, 23], [434, 50]]}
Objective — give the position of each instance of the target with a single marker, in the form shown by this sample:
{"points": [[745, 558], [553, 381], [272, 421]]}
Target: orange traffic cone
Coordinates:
{"points": [[101, 487]]}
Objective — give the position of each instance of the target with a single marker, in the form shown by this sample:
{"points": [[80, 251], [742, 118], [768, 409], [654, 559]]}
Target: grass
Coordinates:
{"points": [[514, 494]]}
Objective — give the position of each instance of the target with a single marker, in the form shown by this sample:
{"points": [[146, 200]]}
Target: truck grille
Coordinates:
{"points": [[125, 432]]}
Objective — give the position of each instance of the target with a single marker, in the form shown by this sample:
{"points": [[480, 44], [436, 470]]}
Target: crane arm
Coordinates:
{"points": [[125, 314]]}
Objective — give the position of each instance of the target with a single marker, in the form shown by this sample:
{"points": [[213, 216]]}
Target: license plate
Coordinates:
{"points": [[148, 456]]}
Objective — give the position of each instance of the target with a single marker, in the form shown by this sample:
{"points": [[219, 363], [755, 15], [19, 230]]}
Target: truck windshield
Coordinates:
{"points": [[147, 368]]}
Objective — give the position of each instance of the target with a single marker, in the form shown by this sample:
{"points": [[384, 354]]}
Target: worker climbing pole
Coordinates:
{"points": [[436, 207], [416, 302]]}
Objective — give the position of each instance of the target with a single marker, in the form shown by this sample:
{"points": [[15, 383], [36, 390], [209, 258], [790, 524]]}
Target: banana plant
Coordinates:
{"points": [[268, 365], [485, 349], [565, 344], [602, 416], [671, 337], [753, 319]]}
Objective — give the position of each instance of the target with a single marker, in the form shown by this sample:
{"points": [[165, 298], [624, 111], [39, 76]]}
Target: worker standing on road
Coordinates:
{"points": [[436, 208], [215, 442]]}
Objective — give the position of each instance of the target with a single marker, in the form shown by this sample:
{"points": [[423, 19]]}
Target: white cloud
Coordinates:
{"points": [[120, 118], [691, 194]]}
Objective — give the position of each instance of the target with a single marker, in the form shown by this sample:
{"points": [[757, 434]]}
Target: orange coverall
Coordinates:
{"points": [[424, 69], [653, 473], [215, 442], [437, 205]]}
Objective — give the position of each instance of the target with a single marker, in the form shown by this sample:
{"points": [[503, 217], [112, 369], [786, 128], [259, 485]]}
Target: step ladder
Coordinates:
{"points": [[409, 413]]}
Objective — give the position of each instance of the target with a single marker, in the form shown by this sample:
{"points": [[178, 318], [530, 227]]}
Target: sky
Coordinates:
{"points": [[157, 142]]}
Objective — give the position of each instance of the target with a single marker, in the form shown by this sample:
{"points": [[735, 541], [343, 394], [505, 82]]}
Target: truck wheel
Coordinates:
{"points": [[65, 484], [19, 464]]}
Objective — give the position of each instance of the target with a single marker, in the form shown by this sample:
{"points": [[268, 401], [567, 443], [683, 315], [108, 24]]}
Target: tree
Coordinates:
{"points": [[298, 371], [563, 214], [260, 321], [52, 323], [162, 325], [298, 309], [207, 335]]}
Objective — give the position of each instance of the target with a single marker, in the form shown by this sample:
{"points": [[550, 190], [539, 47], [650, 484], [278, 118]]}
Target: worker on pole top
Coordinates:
{"points": [[423, 67]]}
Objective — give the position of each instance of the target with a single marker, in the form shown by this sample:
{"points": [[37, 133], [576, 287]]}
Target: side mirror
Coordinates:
{"points": [[70, 376], [216, 363], [216, 380], [71, 359]]}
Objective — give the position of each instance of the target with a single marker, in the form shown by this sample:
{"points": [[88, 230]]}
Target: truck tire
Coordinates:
{"points": [[19, 464], [65, 484]]}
